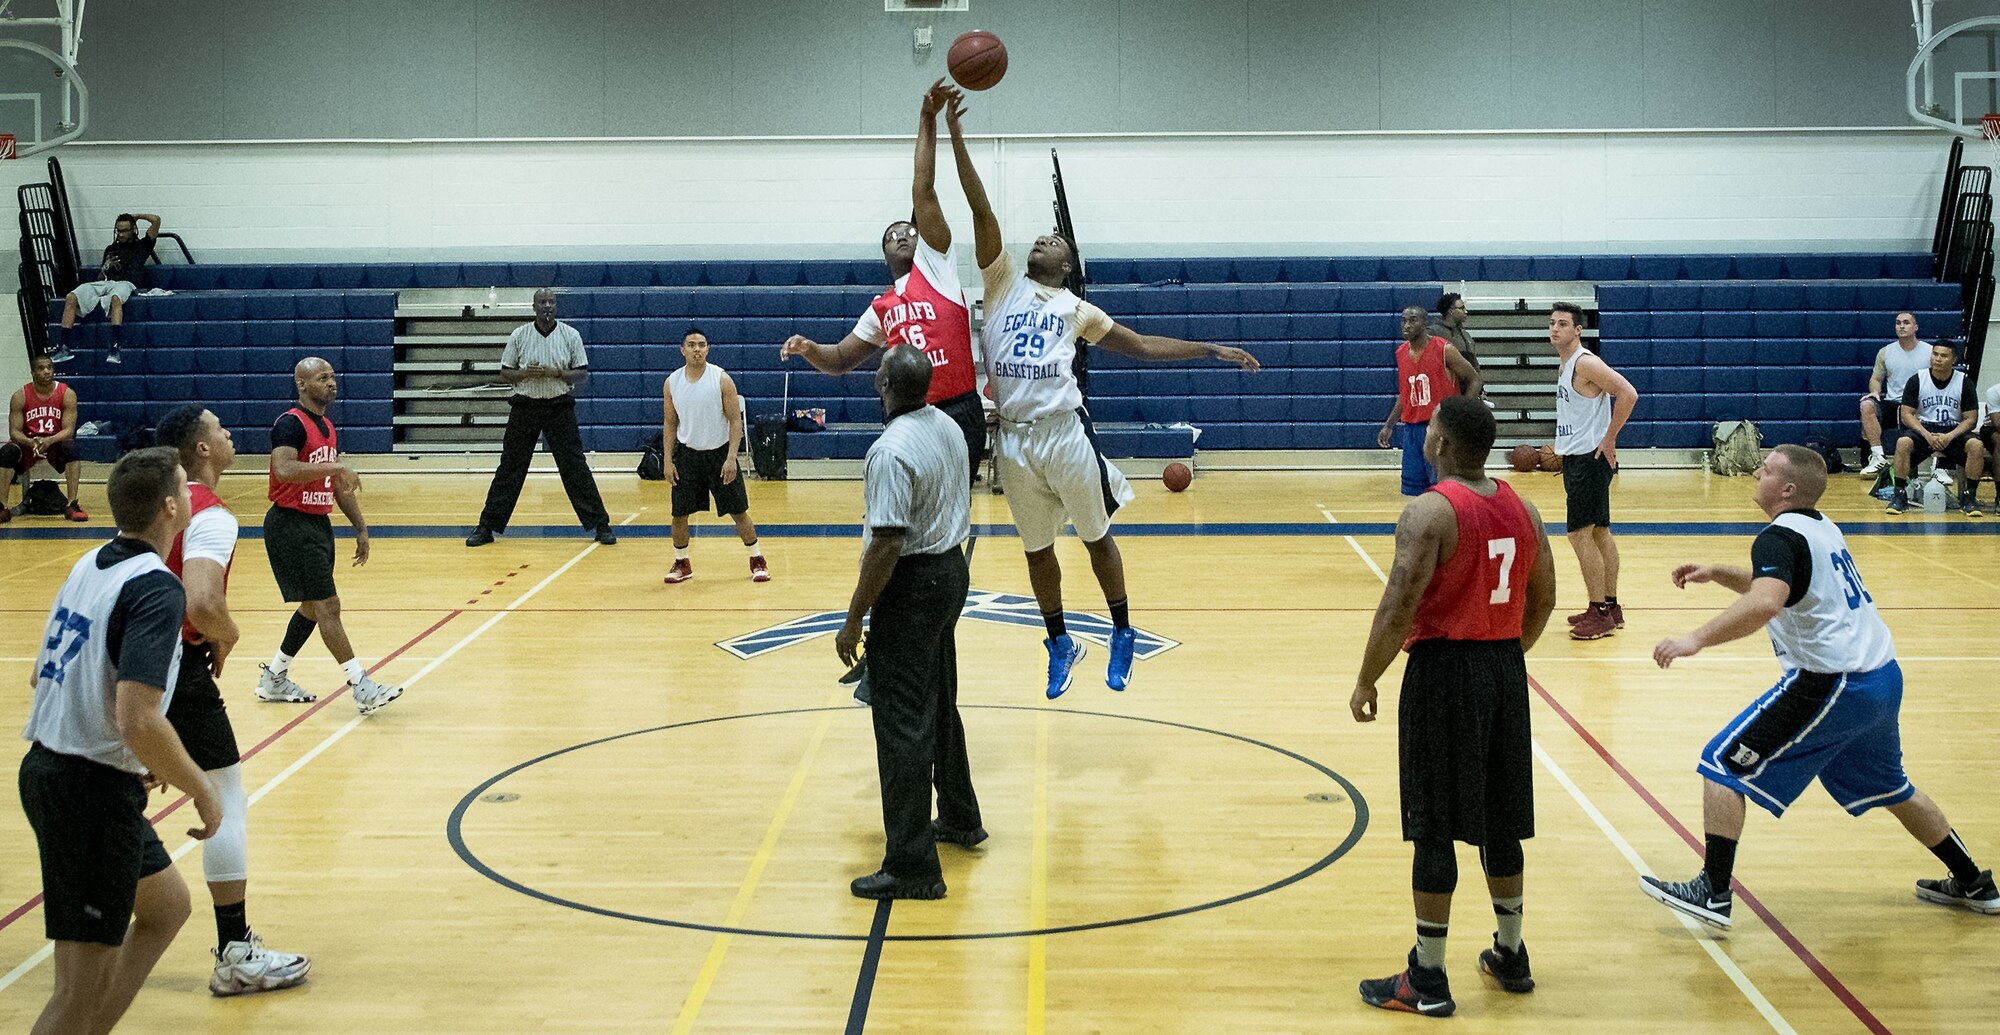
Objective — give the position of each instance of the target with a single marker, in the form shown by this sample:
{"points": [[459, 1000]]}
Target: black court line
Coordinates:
{"points": [[455, 835], [864, 986]]}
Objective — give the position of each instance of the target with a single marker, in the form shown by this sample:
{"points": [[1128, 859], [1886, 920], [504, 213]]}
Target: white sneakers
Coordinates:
{"points": [[242, 967], [370, 696], [272, 686], [1876, 462]]}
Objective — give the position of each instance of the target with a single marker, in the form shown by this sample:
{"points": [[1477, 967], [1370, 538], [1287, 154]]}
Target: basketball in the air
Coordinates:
{"points": [[977, 60], [1177, 476], [1551, 460], [1524, 458]]}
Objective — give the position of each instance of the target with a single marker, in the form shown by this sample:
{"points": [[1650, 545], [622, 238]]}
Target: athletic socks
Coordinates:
{"points": [[1610, 602], [1507, 914], [1120, 616], [1430, 944], [755, 550], [232, 924], [1875, 453], [297, 632], [1951, 852], [355, 673], [1720, 861], [1054, 621], [281, 663], [680, 553]]}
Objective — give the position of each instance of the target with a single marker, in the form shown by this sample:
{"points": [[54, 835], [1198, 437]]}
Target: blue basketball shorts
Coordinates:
{"points": [[1840, 728], [1418, 474]]}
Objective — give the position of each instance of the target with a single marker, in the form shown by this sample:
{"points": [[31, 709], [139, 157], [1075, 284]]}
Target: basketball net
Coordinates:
{"points": [[1989, 129]]}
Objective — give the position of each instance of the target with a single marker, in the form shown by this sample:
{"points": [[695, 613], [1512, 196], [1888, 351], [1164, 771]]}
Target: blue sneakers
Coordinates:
{"points": [[1064, 653], [1118, 674]]}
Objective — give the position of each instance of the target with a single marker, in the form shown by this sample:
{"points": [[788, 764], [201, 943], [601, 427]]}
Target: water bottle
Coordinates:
{"points": [[492, 297]]}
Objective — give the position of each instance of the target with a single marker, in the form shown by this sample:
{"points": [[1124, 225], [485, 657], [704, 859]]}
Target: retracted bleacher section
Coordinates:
{"points": [[1785, 339]]}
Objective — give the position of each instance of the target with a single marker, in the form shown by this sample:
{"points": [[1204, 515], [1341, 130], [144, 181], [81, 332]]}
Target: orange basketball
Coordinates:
{"points": [[1177, 476], [1524, 458], [1552, 461], [977, 60]]}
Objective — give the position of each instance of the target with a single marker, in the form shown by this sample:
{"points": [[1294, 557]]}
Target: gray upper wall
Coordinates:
{"points": [[253, 69]]}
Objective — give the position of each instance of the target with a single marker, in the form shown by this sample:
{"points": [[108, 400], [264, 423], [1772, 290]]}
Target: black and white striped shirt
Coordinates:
{"points": [[916, 480]]}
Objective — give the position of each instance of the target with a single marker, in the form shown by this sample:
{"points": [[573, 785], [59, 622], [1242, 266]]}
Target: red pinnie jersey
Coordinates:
{"points": [[314, 497], [42, 417], [1480, 592], [204, 498], [1423, 380], [927, 309]]}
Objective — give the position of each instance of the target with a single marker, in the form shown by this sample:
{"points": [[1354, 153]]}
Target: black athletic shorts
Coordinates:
{"points": [[969, 414], [96, 844], [1587, 483], [1951, 458], [196, 712], [13, 456], [698, 478], [300, 548], [1463, 733]]}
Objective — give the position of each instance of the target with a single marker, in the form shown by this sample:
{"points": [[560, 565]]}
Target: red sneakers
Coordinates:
{"points": [[74, 512], [1595, 625], [680, 572], [1617, 616], [758, 572]]}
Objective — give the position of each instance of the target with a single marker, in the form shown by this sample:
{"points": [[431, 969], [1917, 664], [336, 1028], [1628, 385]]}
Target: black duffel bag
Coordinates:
{"points": [[770, 447]]}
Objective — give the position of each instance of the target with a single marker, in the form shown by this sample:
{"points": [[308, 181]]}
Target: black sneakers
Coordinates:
{"points": [[1694, 897], [1978, 896], [1418, 989], [880, 885], [945, 835], [480, 536], [1508, 966]]}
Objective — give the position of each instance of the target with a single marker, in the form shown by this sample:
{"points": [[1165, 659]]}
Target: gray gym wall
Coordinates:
{"points": [[276, 69]]}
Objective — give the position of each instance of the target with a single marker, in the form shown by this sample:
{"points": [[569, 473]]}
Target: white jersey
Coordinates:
{"points": [[1834, 627], [1581, 421], [698, 404], [1029, 343], [76, 678], [1990, 409], [1899, 365], [1939, 405]]}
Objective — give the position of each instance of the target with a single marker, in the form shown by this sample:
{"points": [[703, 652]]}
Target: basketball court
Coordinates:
{"points": [[606, 804]]}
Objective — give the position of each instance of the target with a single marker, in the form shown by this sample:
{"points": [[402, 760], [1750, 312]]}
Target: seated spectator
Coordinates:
{"points": [[122, 272], [1989, 436], [41, 427], [1939, 408], [1450, 325], [1895, 365]]}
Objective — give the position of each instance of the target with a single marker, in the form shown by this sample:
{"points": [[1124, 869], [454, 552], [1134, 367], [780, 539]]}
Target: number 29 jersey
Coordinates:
{"points": [[1829, 624], [1029, 341], [1480, 591]]}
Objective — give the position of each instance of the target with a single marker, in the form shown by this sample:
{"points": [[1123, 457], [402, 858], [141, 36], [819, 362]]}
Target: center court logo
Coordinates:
{"points": [[980, 605]]}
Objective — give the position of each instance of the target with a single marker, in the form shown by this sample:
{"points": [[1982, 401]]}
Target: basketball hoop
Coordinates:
{"points": [[1989, 128], [6, 146]]}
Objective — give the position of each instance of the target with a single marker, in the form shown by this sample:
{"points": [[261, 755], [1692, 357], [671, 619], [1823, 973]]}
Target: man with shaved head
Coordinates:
{"points": [[307, 482], [544, 361], [1832, 715], [913, 581]]}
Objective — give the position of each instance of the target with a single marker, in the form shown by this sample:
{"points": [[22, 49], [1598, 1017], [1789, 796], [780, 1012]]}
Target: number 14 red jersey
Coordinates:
{"points": [[1479, 593]]}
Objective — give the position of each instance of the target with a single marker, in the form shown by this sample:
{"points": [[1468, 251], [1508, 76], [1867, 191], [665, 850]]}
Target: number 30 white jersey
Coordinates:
{"points": [[1834, 627], [1029, 343]]}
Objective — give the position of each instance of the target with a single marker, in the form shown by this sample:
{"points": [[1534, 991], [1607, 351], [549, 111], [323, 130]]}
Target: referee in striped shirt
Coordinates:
{"points": [[913, 584]]}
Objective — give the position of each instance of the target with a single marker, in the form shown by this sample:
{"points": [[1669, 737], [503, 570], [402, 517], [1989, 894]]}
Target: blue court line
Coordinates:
{"points": [[1913, 526], [864, 986]]}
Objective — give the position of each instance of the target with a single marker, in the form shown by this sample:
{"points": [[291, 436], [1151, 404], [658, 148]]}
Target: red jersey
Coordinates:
{"points": [[204, 498], [927, 309], [314, 497], [1423, 380], [1480, 591], [42, 415]]}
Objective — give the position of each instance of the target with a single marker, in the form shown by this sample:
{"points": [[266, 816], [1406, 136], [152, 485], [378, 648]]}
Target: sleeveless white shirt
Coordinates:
{"points": [[76, 681], [698, 403], [1581, 422], [1834, 627]]}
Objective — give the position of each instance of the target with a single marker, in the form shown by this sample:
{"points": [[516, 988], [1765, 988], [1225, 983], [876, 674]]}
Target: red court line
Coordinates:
{"points": [[1833, 984], [26, 907]]}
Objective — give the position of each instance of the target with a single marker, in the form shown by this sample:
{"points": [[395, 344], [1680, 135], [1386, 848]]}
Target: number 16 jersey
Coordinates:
{"points": [[1480, 591]]}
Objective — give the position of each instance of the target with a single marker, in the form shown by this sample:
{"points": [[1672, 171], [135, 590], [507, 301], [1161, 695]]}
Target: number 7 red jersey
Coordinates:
{"points": [[1479, 592]]}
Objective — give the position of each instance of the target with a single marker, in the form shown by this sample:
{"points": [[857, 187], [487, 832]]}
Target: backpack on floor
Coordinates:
{"points": [[653, 459], [1739, 448], [1827, 452], [44, 497]]}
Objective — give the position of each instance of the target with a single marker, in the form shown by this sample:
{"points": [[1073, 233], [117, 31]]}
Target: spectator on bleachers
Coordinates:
{"points": [[544, 361], [122, 272], [41, 427], [1895, 365], [1450, 325], [1989, 436], [1429, 370], [1938, 411]]}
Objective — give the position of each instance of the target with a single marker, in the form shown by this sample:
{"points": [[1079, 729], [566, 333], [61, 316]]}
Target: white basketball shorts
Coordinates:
{"points": [[1052, 473]]}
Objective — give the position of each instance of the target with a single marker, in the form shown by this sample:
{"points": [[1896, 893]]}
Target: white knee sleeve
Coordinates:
{"points": [[226, 856]]}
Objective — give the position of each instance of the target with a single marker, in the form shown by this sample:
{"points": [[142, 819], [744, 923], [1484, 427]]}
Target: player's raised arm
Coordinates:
{"points": [[1159, 348], [923, 192], [836, 359], [985, 225]]}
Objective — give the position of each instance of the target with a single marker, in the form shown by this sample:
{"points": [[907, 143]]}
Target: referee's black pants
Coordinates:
{"points": [[919, 739], [527, 420]]}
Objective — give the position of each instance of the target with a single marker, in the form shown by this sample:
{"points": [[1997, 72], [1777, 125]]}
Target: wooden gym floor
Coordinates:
{"points": [[585, 815]]}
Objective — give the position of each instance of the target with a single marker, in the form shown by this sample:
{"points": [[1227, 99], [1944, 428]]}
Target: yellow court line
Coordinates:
{"points": [[1890, 542], [740, 908], [1038, 883]]}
